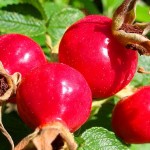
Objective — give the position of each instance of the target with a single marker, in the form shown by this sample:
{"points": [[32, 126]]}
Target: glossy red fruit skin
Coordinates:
{"points": [[54, 92], [89, 47], [19, 53], [131, 117]]}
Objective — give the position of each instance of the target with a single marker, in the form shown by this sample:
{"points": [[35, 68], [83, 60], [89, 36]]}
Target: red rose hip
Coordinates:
{"points": [[19, 53], [131, 117], [53, 93], [89, 46]]}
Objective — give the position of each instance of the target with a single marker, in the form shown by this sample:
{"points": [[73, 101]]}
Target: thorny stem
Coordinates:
{"points": [[130, 34]]}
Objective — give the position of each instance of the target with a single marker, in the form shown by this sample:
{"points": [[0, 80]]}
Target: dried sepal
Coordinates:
{"points": [[131, 35], [8, 84], [49, 137], [4, 131], [142, 70]]}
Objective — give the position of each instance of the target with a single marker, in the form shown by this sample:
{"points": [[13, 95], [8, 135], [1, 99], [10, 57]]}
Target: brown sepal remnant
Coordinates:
{"points": [[131, 35], [8, 86], [128, 28], [54, 136], [142, 70], [3, 85]]}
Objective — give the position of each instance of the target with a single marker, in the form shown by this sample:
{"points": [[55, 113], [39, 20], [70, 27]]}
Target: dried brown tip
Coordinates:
{"points": [[8, 84], [54, 136], [131, 35], [142, 70], [4, 131]]}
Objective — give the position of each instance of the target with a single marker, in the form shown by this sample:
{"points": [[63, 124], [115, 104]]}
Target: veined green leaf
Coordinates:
{"points": [[60, 20], [142, 79], [51, 8], [8, 2], [98, 138], [37, 4], [13, 22]]}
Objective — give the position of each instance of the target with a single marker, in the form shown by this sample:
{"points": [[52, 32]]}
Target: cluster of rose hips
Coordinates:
{"points": [[108, 67], [93, 64], [49, 93]]}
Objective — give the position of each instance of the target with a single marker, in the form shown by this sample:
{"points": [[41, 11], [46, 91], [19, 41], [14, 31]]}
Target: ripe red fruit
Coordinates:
{"points": [[131, 117], [19, 53], [90, 47], [54, 92]]}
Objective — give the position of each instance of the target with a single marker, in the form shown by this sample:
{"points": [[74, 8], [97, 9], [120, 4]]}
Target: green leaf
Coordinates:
{"points": [[37, 4], [50, 8], [14, 22], [109, 6], [100, 115], [62, 1], [142, 79], [98, 138], [140, 146], [60, 20], [8, 2], [41, 39], [142, 12], [77, 4], [89, 6]]}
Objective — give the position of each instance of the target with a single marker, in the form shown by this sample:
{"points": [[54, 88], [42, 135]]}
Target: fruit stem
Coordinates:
{"points": [[127, 91], [98, 103], [53, 49], [130, 34], [54, 136], [142, 70]]}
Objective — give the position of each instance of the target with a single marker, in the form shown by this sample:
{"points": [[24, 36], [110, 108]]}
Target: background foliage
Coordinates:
{"points": [[45, 21]]}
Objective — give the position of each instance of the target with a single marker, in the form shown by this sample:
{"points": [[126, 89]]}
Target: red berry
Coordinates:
{"points": [[131, 117], [19, 53], [54, 92], [90, 47]]}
